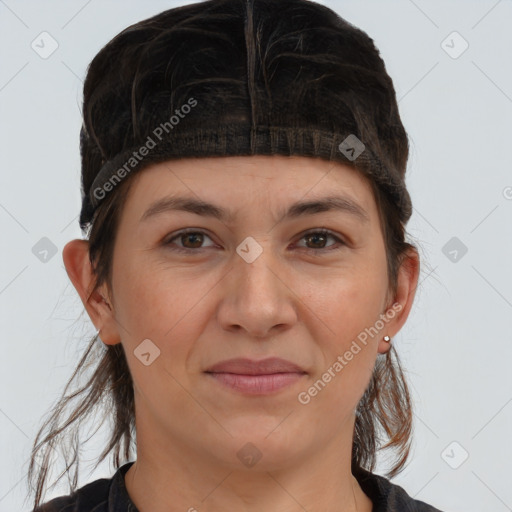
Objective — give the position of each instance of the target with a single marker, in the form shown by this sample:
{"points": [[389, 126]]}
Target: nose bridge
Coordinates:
{"points": [[255, 268], [257, 297]]}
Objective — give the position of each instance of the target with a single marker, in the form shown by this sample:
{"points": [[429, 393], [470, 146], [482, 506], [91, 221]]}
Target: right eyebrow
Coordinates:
{"points": [[298, 209]]}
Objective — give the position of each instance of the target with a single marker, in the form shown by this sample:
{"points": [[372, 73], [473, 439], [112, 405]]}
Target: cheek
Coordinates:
{"points": [[155, 309], [351, 308], [164, 307], [354, 301]]}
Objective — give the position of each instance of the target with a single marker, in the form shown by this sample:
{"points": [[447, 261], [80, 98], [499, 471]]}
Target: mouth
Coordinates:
{"points": [[256, 377]]}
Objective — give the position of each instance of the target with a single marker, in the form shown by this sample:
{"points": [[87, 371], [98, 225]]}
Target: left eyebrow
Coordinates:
{"points": [[299, 209]]}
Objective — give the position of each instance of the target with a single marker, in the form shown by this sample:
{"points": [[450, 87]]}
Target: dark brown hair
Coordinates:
{"points": [[133, 83]]}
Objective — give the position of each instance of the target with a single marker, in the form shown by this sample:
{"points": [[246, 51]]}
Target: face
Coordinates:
{"points": [[267, 279]]}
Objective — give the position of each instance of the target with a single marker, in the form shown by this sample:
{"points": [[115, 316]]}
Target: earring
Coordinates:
{"points": [[387, 339]]}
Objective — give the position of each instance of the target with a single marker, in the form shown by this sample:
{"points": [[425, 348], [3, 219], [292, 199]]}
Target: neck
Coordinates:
{"points": [[170, 477]]}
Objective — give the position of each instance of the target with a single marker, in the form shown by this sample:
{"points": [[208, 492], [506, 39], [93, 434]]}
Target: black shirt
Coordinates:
{"points": [[110, 495]]}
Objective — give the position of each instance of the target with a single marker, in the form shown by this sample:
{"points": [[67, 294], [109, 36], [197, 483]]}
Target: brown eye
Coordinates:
{"points": [[317, 240], [194, 238], [190, 241]]}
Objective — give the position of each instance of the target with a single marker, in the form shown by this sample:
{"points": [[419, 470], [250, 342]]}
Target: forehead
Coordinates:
{"points": [[241, 182]]}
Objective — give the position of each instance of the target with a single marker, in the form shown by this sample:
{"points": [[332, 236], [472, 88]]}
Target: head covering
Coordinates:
{"points": [[240, 77]]}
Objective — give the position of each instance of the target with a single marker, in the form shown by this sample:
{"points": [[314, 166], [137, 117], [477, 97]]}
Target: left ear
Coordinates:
{"points": [[401, 304]]}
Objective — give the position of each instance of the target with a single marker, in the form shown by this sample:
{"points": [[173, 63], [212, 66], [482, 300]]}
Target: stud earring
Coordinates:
{"points": [[387, 339]]}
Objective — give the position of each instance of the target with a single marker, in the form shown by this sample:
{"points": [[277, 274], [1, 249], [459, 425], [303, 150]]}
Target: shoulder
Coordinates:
{"points": [[91, 497], [389, 497]]}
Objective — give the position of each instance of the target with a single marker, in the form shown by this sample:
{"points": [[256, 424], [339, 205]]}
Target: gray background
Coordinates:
{"points": [[456, 345]]}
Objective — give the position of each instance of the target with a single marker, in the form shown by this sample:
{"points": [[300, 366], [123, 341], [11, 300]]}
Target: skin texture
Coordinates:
{"points": [[298, 300]]}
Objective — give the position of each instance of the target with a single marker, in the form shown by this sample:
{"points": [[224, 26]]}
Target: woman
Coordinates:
{"points": [[245, 265]]}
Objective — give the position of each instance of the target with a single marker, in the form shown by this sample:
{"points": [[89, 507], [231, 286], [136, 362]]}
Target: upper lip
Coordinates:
{"points": [[244, 366]]}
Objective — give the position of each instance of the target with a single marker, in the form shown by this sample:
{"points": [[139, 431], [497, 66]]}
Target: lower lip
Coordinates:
{"points": [[257, 384]]}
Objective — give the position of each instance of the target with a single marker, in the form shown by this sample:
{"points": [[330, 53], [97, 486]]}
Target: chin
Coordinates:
{"points": [[262, 448]]}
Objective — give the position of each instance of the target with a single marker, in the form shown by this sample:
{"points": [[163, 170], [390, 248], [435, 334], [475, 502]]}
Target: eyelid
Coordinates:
{"points": [[340, 240], [323, 230], [186, 231]]}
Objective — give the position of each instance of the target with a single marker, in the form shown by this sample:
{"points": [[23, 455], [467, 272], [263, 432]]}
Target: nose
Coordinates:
{"points": [[258, 297]]}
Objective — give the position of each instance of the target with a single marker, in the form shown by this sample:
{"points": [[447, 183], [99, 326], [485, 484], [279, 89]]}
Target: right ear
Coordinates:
{"points": [[79, 269]]}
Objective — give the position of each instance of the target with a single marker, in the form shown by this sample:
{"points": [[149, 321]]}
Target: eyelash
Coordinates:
{"points": [[320, 231]]}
